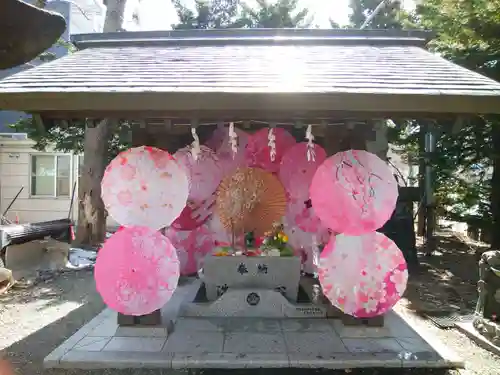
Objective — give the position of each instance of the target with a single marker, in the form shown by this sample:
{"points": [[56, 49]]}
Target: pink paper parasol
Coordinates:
{"points": [[305, 244], [217, 138], [258, 152], [296, 172], [364, 276], [204, 174], [192, 247], [230, 162], [302, 214], [354, 192], [136, 271], [144, 186], [194, 216]]}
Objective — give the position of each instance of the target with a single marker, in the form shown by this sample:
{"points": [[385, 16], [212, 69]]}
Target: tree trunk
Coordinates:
{"points": [[495, 188], [91, 227], [114, 16]]}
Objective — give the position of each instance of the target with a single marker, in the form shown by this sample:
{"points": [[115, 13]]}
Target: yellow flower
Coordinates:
{"points": [[280, 235], [285, 238]]}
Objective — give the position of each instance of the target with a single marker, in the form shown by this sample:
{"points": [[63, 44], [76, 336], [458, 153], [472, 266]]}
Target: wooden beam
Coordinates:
{"points": [[38, 120], [353, 100], [214, 117]]}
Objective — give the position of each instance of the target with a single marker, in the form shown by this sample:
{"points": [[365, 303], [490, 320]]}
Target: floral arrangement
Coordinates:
{"points": [[277, 239]]}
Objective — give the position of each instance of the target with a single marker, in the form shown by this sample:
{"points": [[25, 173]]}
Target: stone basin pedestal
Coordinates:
{"points": [[281, 274]]}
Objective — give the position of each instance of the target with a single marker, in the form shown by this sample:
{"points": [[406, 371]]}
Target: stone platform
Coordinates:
{"points": [[231, 343]]}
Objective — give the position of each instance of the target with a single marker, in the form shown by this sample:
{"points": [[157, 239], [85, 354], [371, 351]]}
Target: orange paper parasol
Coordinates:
{"points": [[250, 200]]}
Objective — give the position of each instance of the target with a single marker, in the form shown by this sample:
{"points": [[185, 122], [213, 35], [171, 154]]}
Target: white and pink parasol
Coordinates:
{"points": [[194, 216], [228, 159], [354, 192], [258, 152], [144, 186], [364, 276], [204, 174], [192, 247], [296, 171], [136, 271]]}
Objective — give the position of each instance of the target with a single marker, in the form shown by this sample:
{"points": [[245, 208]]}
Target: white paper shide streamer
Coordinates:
{"points": [[272, 144], [195, 146], [311, 153], [233, 139]]}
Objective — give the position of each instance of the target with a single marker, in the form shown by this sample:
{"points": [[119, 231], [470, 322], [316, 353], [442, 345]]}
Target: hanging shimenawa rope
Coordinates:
{"points": [[311, 154], [271, 137], [195, 146], [233, 139]]}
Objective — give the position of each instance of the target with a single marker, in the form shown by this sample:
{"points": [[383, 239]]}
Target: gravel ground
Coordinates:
{"points": [[35, 320]]}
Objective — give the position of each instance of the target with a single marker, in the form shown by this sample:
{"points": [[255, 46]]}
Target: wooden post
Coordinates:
{"points": [[430, 149], [140, 137], [422, 207]]}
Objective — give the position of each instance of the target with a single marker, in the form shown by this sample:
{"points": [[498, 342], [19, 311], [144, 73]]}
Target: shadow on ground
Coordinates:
{"points": [[447, 280]]}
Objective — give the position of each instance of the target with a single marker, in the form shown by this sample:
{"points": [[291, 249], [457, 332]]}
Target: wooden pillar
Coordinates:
{"points": [[430, 203], [140, 137], [422, 214], [341, 138]]}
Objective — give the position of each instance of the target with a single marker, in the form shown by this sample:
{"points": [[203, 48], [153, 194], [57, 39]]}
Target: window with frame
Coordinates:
{"points": [[51, 175]]}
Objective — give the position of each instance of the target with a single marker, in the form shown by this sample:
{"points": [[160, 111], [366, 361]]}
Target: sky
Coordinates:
{"points": [[160, 14]]}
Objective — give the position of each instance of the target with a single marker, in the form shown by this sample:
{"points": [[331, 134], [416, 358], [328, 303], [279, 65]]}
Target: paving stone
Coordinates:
{"points": [[371, 345], [107, 327], [252, 325], [344, 360], [415, 344], [194, 342], [199, 324], [115, 360], [313, 342], [397, 326], [92, 343], [135, 344], [229, 360], [141, 332], [52, 360], [306, 325], [359, 331], [247, 342]]}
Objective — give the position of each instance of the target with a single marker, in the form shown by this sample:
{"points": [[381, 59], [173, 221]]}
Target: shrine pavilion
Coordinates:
{"points": [[345, 83]]}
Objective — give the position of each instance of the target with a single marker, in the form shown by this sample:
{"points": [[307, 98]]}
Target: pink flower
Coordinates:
{"points": [[125, 197], [128, 172]]}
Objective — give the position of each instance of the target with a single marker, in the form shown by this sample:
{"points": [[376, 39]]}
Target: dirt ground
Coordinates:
{"points": [[36, 319]]}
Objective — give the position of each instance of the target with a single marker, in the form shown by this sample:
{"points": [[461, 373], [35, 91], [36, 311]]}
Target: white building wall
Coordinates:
{"points": [[15, 172]]}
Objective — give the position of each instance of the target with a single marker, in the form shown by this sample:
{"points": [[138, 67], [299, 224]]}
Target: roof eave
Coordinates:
{"points": [[254, 37], [256, 104]]}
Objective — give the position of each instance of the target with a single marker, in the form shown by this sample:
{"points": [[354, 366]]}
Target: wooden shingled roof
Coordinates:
{"points": [[250, 70]]}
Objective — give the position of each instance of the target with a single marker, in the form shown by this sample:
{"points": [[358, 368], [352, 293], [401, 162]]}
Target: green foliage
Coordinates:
{"points": [[212, 14], [216, 14], [390, 17], [70, 138], [469, 35], [281, 13]]}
